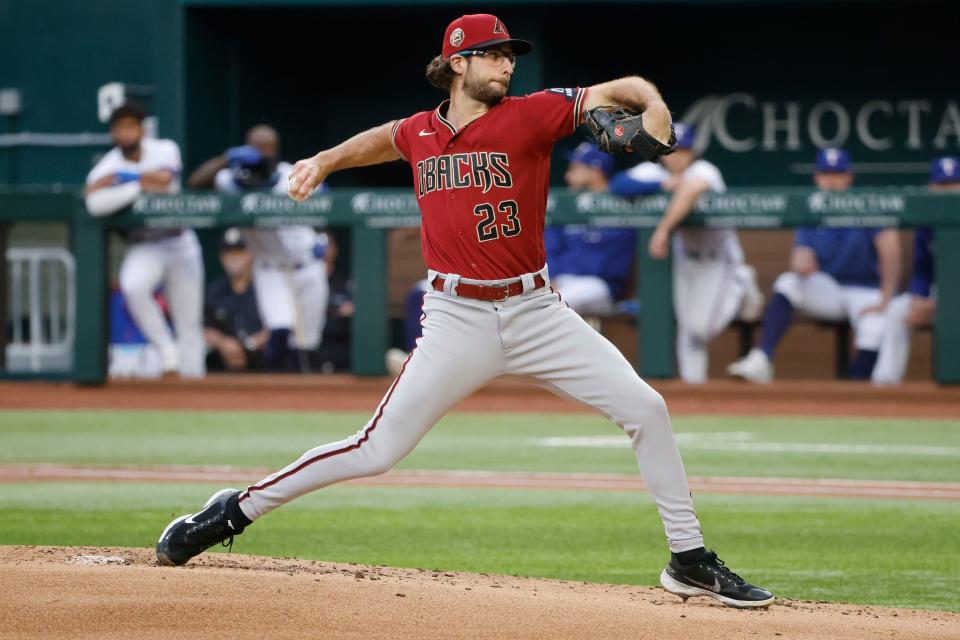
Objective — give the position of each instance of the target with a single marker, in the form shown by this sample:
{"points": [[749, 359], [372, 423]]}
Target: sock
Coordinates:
{"points": [[237, 515], [776, 321], [689, 557], [862, 365], [278, 355]]}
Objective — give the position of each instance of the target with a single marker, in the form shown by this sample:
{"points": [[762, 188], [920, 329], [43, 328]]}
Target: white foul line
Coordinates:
{"points": [[737, 442]]}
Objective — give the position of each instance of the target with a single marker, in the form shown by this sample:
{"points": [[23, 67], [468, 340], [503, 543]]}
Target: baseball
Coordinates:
{"points": [[291, 186]]}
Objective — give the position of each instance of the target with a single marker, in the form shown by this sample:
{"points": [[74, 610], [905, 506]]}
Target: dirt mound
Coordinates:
{"points": [[84, 592]]}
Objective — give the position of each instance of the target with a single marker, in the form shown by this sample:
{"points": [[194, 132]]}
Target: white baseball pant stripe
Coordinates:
{"points": [[177, 264], [467, 343]]}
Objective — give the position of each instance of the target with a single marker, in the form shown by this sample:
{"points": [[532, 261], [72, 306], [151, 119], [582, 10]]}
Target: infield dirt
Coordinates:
{"points": [[56, 592]]}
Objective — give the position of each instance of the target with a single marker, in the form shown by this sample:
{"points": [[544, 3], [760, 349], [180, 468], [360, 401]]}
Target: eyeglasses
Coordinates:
{"points": [[493, 55]]}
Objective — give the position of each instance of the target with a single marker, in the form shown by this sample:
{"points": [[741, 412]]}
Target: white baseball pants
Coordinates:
{"points": [[820, 296], [294, 299], [177, 264], [467, 343]]}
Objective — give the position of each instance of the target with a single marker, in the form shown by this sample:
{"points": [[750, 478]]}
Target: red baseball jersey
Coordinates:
{"points": [[482, 190]]}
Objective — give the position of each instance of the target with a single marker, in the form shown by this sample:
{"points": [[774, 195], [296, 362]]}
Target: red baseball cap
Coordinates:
{"points": [[479, 31]]}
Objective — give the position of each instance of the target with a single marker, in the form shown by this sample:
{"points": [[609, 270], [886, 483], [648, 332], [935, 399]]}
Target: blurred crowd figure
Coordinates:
{"points": [[169, 259], [591, 267], [916, 307], [290, 263], [712, 283], [835, 274], [269, 308], [236, 335]]}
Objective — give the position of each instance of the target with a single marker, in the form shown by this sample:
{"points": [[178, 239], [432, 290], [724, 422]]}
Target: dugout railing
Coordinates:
{"points": [[371, 213]]}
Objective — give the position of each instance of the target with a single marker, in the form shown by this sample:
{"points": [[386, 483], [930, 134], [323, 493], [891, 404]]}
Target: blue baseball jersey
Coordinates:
{"points": [[849, 255], [588, 251], [922, 277]]}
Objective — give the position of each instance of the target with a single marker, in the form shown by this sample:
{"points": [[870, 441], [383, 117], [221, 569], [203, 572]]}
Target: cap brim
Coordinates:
{"points": [[520, 47]]}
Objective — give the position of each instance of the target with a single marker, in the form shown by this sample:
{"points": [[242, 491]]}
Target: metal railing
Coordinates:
{"points": [[42, 292]]}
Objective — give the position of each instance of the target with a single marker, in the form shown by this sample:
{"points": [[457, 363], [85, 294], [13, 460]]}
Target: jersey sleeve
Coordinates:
{"points": [[552, 114], [805, 237], [707, 172], [641, 180], [399, 139], [170, 157], [105, 167], [223, 182]]}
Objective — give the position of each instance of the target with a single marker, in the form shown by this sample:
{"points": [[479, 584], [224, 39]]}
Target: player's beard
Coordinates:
{"points": [[130, 150], [489, 92]]}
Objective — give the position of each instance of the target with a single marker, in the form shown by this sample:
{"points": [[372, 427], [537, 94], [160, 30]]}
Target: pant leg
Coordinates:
{"points": [[459, 352], [548, 342], [183, 287], [818, 294], [706, 297], [867, 328], [585, 294], [274, 295], [311, 294], [141, 272], [895, 345], [693, 357]]}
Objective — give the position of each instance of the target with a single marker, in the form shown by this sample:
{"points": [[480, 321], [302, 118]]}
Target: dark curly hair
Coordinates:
{"points": [[439, 73], [128, 110]]}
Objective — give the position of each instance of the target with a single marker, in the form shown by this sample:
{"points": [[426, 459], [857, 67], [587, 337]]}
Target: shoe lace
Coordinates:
{"points": [[726, 572], [228, 543]]}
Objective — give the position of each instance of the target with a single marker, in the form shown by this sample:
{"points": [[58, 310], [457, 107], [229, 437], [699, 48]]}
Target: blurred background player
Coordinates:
{"points": [[291, 263], [154, 257], [233, 329], [835, 274], [712, 284], [589, 266], [916, 307]]}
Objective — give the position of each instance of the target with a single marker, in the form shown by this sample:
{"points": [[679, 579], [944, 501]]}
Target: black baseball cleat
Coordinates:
{"points": [[709, 577], [192, 534]]}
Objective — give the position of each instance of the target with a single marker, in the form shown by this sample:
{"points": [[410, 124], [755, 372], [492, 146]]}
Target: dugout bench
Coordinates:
{"points": [[370, 213]]}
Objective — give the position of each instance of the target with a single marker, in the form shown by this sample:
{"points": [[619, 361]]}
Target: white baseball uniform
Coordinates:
{"points": [[710, 277], [168, 258], [290, 278]]}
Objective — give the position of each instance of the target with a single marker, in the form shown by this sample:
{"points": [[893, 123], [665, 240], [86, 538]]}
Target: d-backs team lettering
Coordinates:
{"points": [[481, 169]]}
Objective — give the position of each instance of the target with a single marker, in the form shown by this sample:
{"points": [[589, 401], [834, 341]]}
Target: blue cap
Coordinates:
{"points": [[945, 170], [833, 161], [588, 154], [684, 133]]}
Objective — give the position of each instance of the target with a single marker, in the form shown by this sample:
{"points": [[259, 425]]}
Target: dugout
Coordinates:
{"points": [[765, 81]]}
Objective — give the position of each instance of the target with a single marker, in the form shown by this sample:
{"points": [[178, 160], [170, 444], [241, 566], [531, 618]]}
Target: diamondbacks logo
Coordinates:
{"points": [[498, 27], [618, 131], [568, 94], [456, 37]]}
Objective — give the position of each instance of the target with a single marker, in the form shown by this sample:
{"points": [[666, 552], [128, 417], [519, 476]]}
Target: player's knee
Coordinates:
{"points": [[788, 285], [653, 409], [378, 465], [135, 289]]}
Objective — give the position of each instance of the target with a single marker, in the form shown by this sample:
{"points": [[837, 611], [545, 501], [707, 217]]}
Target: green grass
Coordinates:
{"points": [[896, 553], [480, 441], [866, 551]]}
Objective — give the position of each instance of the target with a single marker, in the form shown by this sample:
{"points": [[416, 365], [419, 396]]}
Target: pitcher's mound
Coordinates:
{"points": [[89, 592]]}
